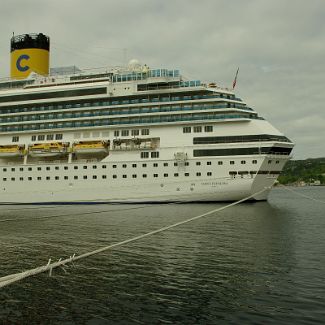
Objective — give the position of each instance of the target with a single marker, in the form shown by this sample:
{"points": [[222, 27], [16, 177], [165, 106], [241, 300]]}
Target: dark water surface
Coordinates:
{"points": [[261, 263]]}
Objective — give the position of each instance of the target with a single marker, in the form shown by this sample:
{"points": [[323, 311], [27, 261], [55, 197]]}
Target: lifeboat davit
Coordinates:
{"points": [[48, 149], [11, 151], [90, 147]]}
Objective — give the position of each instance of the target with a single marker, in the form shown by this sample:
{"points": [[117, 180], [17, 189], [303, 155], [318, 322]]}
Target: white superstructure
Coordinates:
{"points": [[132, 135]]}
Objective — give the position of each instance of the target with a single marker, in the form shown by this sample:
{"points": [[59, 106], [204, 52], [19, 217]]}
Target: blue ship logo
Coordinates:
{"points": [[19, 65]]}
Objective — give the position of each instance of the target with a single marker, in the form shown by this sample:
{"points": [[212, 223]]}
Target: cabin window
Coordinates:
{"points": [[134, 132], [144, 155], [208, 128], [198, 174], [155, 154], [59, 136], [41, 137], [176, 175], [254, 161], [15, 139], [209, 174], [116, 133], [145, 132], [197, 129], [187, 129], [125, 133]]}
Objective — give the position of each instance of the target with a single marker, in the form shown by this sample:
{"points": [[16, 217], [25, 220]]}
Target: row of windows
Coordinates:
{"points": [[197, 129], [242, 151], [127, 120], [165, 164], [254, 172], [41, 137], [145, 154], [76, 177], [115, 101], [54, 94], [148, 73], [59, 136], [120, 111], [240, 138], [135, 132]]}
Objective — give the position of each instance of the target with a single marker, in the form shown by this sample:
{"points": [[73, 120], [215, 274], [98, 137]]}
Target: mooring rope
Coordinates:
{"points": [[10, 279]]}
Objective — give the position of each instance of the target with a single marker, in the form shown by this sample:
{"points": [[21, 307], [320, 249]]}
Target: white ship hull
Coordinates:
{"points": [[95, 189], [209, 190]]}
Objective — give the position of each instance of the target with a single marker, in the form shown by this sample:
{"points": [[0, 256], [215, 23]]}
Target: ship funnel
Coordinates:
{"points": [[29, 53]]}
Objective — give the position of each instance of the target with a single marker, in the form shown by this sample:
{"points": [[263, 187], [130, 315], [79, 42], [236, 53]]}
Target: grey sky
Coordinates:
{"points": [[279, 46]]}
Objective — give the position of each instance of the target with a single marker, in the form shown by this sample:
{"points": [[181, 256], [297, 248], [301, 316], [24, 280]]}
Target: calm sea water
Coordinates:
{"points": [[261, 263]]}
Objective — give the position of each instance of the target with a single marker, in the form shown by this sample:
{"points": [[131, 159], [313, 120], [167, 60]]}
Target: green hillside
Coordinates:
{"points": [[308, 171]]}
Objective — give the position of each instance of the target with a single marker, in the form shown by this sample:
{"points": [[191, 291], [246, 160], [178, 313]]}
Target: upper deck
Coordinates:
{"points": [[118, 96], [145, 78]]}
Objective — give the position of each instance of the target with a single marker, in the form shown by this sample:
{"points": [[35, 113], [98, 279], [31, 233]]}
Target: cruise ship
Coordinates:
{"points": [[127, 134]]}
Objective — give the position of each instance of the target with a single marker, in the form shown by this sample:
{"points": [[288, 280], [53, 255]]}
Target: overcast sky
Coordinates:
{"points": [[279, 46]]}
